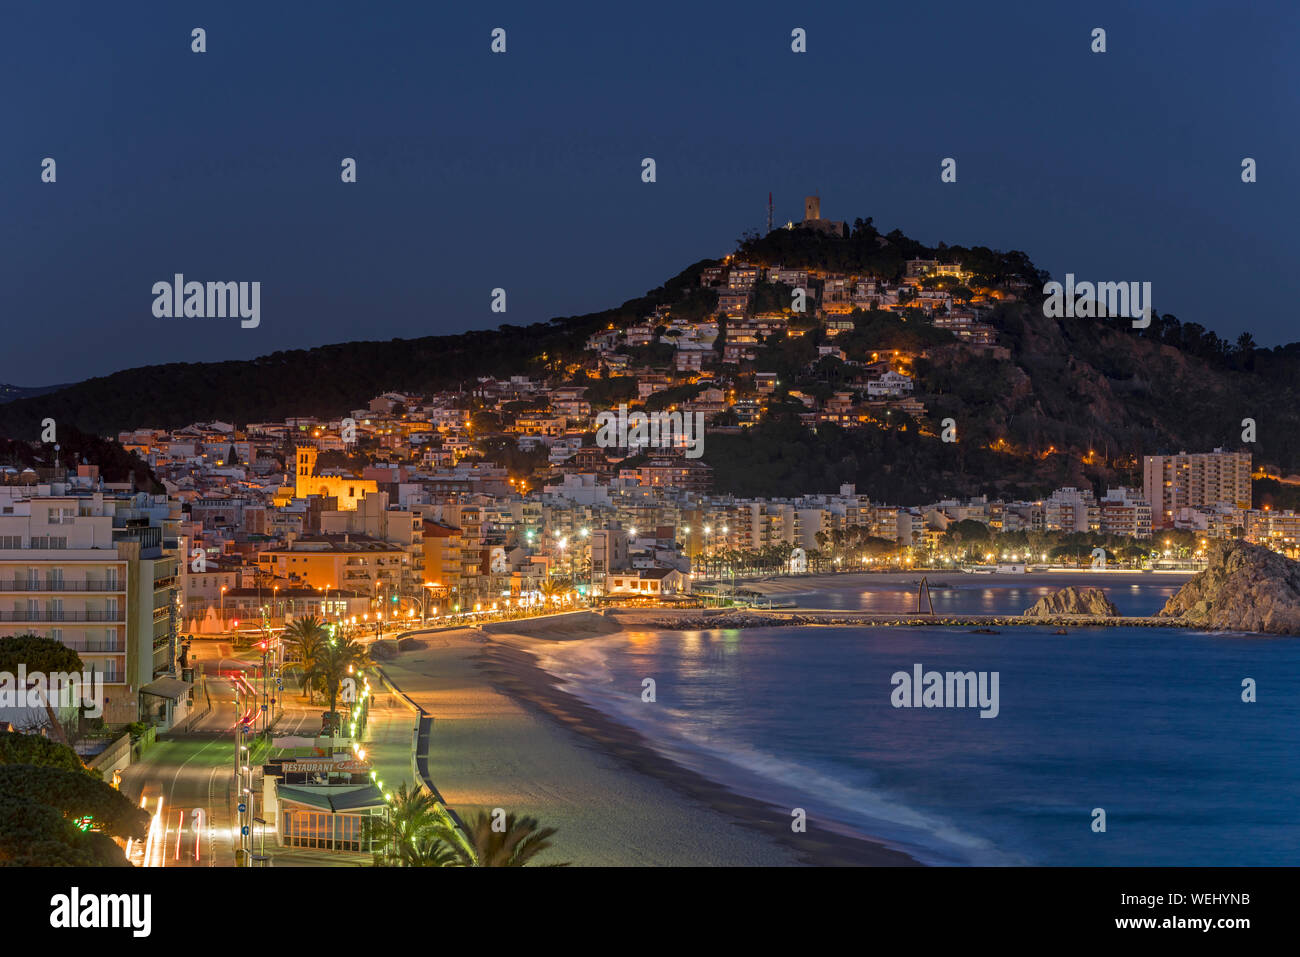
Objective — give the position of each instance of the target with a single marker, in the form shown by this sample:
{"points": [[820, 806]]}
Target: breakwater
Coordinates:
{"points": [[750, 620]]}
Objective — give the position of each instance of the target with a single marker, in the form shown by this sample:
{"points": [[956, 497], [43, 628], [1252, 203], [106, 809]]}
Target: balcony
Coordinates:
{"points": [[45, 615], [97, 647], [95, 584]]}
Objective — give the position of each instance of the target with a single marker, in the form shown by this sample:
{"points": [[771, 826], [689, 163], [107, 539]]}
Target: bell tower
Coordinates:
{"points": [[306, 468]]}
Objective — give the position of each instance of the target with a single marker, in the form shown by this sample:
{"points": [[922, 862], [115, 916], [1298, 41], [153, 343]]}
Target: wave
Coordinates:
{"points": [[586, 671]]}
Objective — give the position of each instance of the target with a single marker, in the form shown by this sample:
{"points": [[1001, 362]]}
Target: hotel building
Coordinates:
{"points": [[97, 572]]}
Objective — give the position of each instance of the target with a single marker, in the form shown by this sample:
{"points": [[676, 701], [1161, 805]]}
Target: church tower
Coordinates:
{"points": [[306, 468]]}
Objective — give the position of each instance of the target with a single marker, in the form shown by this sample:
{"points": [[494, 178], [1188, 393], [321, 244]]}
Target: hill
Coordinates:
{"points": [[1062, 402], [10, 392], [328, 380]]}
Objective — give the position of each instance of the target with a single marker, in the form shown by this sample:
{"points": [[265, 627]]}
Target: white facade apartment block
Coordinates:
{"points": [[90, 571]]}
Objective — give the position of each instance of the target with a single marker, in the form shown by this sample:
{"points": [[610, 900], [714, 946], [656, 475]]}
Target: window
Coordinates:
{"points": [[313, 829]]}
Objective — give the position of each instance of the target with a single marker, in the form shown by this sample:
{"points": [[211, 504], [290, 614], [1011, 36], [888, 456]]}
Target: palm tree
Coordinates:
{"points": [[515, 845], [411, 817], [554, 589], [430, 850], [310, 636], [337, 658], [305, 630]]}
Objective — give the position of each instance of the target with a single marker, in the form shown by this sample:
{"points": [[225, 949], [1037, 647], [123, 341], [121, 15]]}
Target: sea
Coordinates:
{"points": [[1110, 746]]}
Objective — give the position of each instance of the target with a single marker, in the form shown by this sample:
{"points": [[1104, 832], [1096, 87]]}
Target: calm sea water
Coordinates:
{"points": [[1147, 724], [957, 593]]}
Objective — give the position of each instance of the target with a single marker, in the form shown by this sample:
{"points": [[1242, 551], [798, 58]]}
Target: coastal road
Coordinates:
{"points": [[187, 772], [191, 769], [187, 778]]}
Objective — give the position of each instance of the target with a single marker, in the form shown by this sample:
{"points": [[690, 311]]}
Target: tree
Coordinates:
{"points": [[76, 795], [310, 636], [518, 842], [37, 653], [38, 750], [337, 658], [429, 850], [37, 835], [411, 819], [555, 590]]}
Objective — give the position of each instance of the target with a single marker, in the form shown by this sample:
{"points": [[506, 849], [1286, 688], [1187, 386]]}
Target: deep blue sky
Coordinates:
{"points": [[523, 170]]}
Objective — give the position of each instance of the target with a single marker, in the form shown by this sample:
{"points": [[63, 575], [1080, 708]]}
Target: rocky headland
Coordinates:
{"points": [[1245, 588]]}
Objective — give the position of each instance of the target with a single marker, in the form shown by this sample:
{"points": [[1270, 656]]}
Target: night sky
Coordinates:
{"points": [[522, 170]]}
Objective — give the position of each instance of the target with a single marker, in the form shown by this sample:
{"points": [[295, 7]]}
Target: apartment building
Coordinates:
{"points": [[347, 563], [1125, 512], [90, 570], [1198, 480], [373, 518], [1072, 510]]}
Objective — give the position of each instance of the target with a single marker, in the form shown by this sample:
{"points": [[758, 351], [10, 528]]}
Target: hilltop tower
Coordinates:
{"points": [[812, 207]]}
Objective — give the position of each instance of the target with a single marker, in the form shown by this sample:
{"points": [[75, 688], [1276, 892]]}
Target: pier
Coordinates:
{"points": [[745, 619]]}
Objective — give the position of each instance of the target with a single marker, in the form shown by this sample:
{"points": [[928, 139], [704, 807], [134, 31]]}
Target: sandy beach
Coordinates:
{"points": [[506, 736]]}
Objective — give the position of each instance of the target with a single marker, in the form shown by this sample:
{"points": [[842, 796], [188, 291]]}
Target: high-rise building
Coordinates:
{"points": [[97, 572], [1198, 480]]}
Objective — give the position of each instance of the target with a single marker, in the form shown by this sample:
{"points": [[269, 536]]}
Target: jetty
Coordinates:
{"points": [[725, 618]]}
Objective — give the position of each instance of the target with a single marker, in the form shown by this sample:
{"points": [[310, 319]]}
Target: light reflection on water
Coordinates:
{"points": [[1146, 722], [953, 596]]}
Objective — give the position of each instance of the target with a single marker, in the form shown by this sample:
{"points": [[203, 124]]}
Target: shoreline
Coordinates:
{"points": [[517, 671], [505, 734]]}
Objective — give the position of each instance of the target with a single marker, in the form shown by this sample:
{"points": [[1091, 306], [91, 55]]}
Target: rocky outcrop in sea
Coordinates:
{"points": [[1245, 588], [1073, 601]]}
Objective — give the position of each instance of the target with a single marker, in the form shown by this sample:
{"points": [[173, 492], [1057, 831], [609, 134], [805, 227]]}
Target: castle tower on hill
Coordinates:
{"points": [[812, 219], [349, 491]]}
